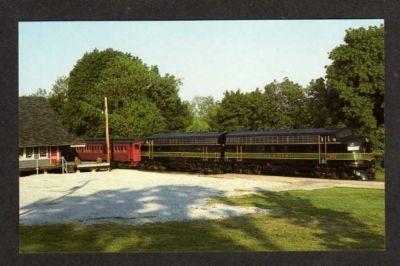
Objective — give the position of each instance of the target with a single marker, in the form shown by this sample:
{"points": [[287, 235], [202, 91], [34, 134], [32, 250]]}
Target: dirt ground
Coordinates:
{"points": [[138, 197]]}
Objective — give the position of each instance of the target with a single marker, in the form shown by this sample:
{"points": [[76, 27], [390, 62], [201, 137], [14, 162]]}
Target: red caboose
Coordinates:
{"points": [[124, 152]]}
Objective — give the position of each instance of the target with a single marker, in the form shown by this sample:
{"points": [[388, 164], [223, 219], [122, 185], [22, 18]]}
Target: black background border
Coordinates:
{"points": [[105, 10]]}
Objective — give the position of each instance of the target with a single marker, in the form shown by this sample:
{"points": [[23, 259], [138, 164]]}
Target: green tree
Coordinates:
{"points": [[127, 82], [233, 113], [356, 79], [198, 125], [202, 106], [137, 118], [202, 110], [285, 105], [40, 93], [319, 105], [282, 105], [58, 94]]}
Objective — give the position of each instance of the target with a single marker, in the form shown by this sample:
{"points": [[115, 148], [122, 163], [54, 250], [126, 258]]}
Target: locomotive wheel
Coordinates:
{"points": [[334, 175], [344, 175], [316, 174]]}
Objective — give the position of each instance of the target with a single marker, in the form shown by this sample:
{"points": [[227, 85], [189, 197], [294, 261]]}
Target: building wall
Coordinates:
{"points": [[33, 163], [35, 160]]}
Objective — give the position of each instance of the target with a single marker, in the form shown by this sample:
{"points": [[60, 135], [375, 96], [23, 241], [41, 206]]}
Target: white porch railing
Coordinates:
{"points": [[64, 165]]}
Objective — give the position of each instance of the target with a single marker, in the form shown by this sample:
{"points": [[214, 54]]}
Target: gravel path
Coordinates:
{"points": [[137, 197]]}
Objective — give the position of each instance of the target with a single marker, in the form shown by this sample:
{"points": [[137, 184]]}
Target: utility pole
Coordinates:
{"points": [[107, 132]]}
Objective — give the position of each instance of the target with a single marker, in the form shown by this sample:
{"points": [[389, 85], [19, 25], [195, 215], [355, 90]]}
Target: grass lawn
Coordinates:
{"points": [[323, 219], [380, 175]]}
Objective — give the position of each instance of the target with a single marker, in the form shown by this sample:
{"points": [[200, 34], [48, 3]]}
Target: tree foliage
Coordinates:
{"points": [[280, 106], [58, 94], [130, 85], [40, 93], [137, 118], [202, 110], [356, 81]]}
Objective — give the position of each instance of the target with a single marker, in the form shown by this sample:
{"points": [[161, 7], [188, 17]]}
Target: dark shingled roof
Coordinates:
{"points": [[311, 131], [187, 135], [39, 125]]}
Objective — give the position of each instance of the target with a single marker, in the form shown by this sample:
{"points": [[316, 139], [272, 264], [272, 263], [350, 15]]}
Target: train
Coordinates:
{"points": [[322, 153]]}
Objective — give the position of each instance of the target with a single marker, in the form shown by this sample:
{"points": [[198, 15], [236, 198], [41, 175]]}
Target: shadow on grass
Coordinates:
{"points": [[336, 230]]}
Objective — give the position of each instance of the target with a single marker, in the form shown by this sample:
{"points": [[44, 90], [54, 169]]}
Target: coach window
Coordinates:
{"points": [[21, 153]]}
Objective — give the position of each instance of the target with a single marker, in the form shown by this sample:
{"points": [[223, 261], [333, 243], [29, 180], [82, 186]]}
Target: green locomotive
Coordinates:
{"points": [[328, 153]]}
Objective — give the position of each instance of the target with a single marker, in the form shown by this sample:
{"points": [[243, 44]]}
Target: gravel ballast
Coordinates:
{"points": [[137, 197]]}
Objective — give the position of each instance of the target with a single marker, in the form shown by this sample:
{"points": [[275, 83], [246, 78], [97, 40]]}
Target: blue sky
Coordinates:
{"points": [[208, 56]]}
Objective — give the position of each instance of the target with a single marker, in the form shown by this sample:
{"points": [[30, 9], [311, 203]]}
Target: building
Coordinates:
{"points": [[42, 138]]}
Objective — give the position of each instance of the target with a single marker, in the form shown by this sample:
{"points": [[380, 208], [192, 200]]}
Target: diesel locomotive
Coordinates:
{"points": [[325, 153]]}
